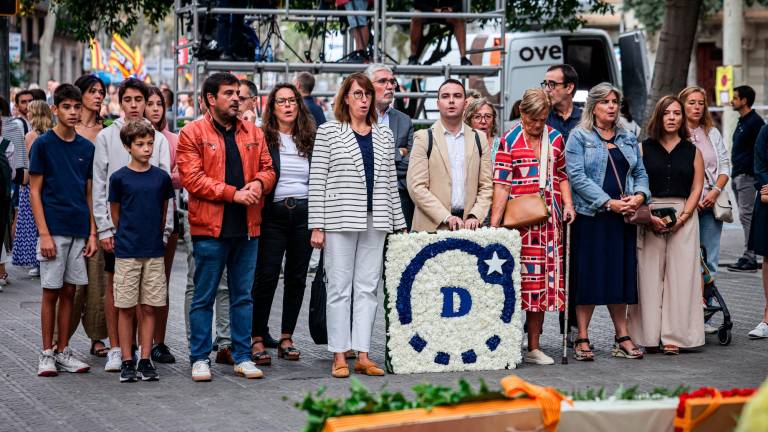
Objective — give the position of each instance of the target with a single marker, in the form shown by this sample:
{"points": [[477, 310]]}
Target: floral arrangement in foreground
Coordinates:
{"points": [[452, 301], [711, 393]]}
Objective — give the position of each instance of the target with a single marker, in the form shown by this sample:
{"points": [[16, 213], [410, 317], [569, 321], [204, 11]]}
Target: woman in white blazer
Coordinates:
{"points": [[353, 204], [717, 166]]}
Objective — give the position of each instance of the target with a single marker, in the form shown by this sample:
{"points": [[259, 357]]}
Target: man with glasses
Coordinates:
{"points": [[248, 94], [449, 172], [384, 83], [560, 84], [305, 83]]}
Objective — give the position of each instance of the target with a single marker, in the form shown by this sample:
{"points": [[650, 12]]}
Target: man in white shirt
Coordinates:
{"points": [[449, 173]]}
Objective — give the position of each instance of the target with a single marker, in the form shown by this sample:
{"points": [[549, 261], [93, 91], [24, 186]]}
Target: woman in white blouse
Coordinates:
{"points": [[717, 167], [289, 130]]}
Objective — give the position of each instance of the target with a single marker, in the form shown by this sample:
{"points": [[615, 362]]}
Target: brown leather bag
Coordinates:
{"points": [[530, 209], [642, 215]]}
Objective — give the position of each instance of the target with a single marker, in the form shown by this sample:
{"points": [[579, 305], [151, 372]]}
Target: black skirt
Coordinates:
{"points": [[758, 233]]}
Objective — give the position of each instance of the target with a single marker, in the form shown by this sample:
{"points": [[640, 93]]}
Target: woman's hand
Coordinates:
{"points": [[709, 199], [569, 214], [658, 226], [621, 206], [318, 239], [634, 201], [764, 194], [680, 221]]}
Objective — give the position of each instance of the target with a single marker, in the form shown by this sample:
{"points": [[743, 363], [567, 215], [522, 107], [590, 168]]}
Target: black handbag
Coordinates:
{"points": [[317, 325]]}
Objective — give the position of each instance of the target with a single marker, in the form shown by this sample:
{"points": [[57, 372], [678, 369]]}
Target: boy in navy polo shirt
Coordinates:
{"points": [[138, 197], [60, 166]]}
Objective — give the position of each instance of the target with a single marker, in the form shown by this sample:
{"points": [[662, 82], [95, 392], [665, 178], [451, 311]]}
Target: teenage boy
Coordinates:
{"points": [[60, 194], [109, 157], [138, 199]]}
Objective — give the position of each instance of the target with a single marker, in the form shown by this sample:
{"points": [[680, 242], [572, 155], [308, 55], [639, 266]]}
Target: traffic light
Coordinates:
{"points": [[9, 7]]}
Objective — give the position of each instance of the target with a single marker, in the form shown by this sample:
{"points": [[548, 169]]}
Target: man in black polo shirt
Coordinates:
{"points": [[743, 158], [560, 84]]}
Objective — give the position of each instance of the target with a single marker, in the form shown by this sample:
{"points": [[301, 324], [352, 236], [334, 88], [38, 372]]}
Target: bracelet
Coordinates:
{"points": [[717, 188]]}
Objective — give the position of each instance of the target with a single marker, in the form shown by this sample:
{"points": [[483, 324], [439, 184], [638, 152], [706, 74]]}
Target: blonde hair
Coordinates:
{"points": [[706, 117], [596, 94], [40, 116], [474, 106], [535, 101]]}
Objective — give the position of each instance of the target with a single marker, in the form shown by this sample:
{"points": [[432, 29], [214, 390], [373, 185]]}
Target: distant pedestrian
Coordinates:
{"points": [[60, 193], [138, 197], [743, 172], [305, 82]]}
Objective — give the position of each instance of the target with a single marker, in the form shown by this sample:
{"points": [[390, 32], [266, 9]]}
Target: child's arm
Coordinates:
{"points": [[114, 209], [47, 245], [91, 246], [165, 216]]}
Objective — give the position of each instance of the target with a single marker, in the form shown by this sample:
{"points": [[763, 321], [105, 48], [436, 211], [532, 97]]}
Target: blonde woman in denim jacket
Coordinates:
{"points": [[603, 267]]}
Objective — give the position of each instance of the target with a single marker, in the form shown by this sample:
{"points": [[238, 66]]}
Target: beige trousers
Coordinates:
{"points": [[669, 308]]}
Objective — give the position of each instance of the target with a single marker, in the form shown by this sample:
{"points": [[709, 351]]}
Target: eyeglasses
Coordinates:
{"points": [[358, 94], [385, 81], [551, 84], [286, 101], [485, 117]]}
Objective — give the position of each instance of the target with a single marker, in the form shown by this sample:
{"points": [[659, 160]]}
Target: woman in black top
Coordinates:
{"points": [[669, 312]]}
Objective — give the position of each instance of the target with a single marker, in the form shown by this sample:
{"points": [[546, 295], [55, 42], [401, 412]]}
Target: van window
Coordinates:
{"points": [[589, 56]]}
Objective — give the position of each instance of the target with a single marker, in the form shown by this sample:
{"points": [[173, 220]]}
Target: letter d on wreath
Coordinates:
{"points": [[465, 302]]}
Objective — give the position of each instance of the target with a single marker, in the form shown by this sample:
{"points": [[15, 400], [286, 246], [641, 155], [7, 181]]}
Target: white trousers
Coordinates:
{"points": [[353, 262]]}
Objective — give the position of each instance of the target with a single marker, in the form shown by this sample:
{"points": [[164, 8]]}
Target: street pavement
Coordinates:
{"points": [[97, 401]]}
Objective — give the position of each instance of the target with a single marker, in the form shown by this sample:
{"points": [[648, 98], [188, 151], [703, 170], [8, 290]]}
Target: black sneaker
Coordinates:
{"points": [[161, 354], [146, 371], [743, 265], [128, 371]]}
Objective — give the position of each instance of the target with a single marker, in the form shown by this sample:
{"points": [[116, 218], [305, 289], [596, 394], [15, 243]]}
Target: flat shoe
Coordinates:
{"points": [[368, 368], [341, 371]]}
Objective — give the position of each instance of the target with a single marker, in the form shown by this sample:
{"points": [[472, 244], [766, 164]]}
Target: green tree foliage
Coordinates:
{"points": [[647, 11]]}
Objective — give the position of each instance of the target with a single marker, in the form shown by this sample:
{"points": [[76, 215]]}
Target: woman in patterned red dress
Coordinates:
{"points": [[516, 173]]}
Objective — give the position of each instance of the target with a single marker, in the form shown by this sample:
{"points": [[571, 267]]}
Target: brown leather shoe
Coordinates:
{"points": [[340, 371], [368, 368], [224, 356]]}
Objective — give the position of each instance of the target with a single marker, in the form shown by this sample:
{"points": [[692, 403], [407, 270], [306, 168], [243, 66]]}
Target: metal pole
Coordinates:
{"points": [[566, 328], [733, 30], [176, 18], [503, 63], [193, 55]]}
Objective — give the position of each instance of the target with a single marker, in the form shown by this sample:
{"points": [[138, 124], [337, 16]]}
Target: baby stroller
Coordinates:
{"points": [[714, 303]]}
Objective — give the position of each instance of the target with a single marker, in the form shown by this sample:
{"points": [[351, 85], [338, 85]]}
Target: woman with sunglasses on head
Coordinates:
{"points": [[289, 130], [353, 204]]}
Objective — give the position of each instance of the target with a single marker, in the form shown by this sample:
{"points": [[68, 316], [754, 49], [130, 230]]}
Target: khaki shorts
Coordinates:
{"points": [[140, 280]]}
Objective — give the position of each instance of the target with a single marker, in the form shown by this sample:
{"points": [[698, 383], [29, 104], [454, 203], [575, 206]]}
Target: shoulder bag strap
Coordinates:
{"points": [[615, 171], [543, 160], [429, 142]]}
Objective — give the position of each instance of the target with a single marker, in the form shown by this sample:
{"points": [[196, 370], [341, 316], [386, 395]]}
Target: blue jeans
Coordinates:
{"points": [[211, 257], [710, 230]]}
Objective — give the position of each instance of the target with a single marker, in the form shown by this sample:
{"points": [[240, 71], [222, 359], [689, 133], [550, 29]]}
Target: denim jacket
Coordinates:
{"points": [[586, 159]]}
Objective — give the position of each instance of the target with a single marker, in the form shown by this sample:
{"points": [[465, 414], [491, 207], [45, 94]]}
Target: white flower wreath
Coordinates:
{"points": [[453, 301]]}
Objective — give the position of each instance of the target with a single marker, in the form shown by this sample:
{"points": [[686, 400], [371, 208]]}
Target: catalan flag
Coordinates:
{"points": [[138, 67], [98, 62], [122, 59]]}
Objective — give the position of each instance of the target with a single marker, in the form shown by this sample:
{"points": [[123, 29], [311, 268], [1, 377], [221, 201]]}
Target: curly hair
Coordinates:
{"points": [[474, 107], [303, 132]]}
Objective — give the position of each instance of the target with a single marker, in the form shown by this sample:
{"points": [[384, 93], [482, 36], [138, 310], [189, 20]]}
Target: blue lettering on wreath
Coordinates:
{"points": [[465, 302]]}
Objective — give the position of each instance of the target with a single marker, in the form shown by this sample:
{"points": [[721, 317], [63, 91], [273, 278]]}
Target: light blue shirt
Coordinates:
{"points": [[384, 119]]}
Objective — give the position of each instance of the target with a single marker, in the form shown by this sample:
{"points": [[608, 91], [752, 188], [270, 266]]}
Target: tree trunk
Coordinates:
{"points": [[46, 47], [670, 72]]}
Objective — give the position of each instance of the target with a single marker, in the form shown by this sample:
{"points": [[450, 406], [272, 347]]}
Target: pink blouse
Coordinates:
{"points": [[173, 142]]}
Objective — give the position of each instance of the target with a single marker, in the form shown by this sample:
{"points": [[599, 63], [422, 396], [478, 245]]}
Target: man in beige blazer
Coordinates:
{"points": [[450, 183]]}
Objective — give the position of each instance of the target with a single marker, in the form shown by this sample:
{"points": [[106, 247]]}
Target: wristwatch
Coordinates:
{"points": [[608, 206]]}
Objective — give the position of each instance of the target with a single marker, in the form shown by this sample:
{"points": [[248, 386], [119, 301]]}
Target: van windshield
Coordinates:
{"points": [[589, 56]]}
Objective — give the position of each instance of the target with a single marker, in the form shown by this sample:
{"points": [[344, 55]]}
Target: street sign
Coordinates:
{"points": [[14, 47], [9, 7], [724, 85]]}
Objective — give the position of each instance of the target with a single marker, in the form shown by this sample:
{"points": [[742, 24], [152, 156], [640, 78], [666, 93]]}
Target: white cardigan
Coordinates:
{"points": [[723, 160], [338, 197]]}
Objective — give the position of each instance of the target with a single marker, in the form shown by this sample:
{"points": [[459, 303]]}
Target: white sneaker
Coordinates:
{"points": [[67, 362], [759, 332], [114, 360], [47, 365], [709, 329], [201, 370], [538, 357], [248, 369], [34, 271]]}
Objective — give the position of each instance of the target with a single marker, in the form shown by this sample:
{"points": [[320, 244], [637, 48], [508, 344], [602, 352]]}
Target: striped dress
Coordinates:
{"points": [[541, 256]]}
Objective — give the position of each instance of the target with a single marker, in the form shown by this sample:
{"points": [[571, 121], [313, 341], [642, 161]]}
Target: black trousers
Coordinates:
{"points": [[283, 233], [408, 207]]}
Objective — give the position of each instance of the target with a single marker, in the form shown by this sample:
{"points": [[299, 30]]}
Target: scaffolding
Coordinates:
{"points": [[188, 15]]}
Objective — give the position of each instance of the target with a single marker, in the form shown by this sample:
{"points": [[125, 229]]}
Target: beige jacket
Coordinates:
{"points": [[429, 180]]}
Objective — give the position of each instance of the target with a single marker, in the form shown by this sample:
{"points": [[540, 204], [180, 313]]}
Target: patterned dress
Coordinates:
{"points": [[543, 284], [25, 242]]}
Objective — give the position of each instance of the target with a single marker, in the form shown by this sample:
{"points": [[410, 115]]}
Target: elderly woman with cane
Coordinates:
{"points": [[529, 173]]}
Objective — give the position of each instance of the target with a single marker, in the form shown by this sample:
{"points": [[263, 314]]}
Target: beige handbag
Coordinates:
{"points": [[531, 209], [723, 209]]}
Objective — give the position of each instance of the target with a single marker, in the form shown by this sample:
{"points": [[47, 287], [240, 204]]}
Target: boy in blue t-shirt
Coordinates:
{"points": [[60, 167], [138, 197]]}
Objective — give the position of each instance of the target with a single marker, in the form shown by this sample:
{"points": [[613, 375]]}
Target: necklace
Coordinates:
{"points": [[363, 132]]}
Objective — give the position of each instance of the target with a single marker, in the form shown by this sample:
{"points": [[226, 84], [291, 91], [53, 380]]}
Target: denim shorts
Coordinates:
{"points": [[358, 5]]}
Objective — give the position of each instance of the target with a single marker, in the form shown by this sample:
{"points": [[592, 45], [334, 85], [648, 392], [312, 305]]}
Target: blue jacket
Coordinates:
{"points": [[586, 160]]}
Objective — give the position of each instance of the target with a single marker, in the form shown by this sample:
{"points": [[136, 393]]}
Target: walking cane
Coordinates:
{"points": [[566, 328]]}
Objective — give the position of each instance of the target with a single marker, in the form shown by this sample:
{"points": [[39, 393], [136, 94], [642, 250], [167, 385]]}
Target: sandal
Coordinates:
{"points": [[289, 353], [671, 350], [99, 352], [620, 351], [580, 354], [260, 358]]}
